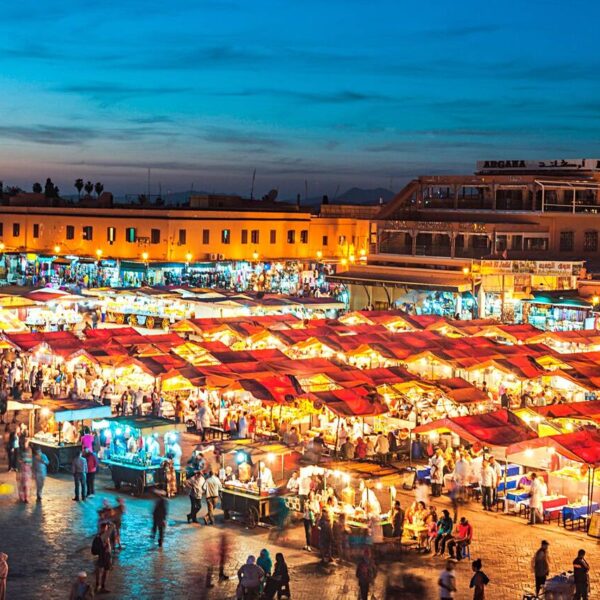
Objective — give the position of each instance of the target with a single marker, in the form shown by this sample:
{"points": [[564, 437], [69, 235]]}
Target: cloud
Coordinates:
{"points": [[151, 119], [117, 90], [226, 135], [336, 97], [460, 31], [125, 164], [66, 135]]}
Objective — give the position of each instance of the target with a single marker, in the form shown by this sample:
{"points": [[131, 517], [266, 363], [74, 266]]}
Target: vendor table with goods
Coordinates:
{"points": [[60, 455], [252, 504], [578, 513], [133, 453], [63, 415]]}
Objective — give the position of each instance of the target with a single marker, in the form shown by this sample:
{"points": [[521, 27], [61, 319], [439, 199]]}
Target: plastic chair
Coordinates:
{"points": [[466, 551]]}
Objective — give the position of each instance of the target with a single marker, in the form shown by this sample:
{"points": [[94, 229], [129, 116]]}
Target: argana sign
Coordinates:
{"points": [[531, 267], [562, 164]]}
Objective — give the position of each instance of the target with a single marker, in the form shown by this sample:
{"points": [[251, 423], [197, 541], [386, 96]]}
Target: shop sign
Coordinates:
{"points": [[530, 267], [563, 164]]}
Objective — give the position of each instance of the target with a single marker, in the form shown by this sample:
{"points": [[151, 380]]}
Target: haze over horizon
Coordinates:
{"points": [[204, 94]]}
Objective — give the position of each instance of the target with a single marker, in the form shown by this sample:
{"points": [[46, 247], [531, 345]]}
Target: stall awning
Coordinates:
{"points": [[133, 267], [580, 446], [148, 424], [351, 402], [500, 428], [395, 278], [74, 410]]}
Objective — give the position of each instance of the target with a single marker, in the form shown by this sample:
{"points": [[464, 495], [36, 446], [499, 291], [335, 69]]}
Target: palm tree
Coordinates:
{"points": [[79, 187], [88, 187], [37, 188], [99, 189]]}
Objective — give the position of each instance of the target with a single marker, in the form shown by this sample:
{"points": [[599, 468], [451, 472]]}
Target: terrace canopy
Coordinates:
{"points": [[499, 429]]}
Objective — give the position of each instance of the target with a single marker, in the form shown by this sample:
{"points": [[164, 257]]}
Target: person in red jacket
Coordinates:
{"points": [[462, 538], [92, 468]]}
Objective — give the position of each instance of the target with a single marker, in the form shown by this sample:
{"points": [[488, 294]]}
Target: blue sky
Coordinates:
{"points": [[343, 92]]}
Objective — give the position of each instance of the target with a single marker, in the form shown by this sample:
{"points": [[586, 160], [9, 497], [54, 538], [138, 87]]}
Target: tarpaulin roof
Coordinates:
{"points": [[461, 391], [574, 410], [581, 446], [499, 428], [278, 389], [351, 402]]}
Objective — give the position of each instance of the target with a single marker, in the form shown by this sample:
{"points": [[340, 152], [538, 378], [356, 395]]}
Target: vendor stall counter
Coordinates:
{"points": [[59, 416], [133, 453]]}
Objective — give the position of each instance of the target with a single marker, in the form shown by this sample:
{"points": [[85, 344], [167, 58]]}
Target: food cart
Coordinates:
{"points": [[133, 453], [251, 492], [58, 438]]}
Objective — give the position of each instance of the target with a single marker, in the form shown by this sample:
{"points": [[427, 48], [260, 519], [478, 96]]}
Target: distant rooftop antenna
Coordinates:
{"points": [[148, 185], [252, 187], [306, 189]]}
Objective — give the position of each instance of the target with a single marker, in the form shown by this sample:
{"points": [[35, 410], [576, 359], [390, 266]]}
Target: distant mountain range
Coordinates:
{"points": [[353, 195]]}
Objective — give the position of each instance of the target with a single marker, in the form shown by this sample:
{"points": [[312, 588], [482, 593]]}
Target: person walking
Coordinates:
{"points": [[478, 581], [40, 470], [159, 517], [581, 575], [437, 464], [79, 470], [12, 449], [3, 574], [447, 581], [537, 491], [212, 488], [81, 589], [90, 477], [24, 474], [540, 565], [397, 520], [195, 484], [488, 476], [101, 547], [366, 571]]}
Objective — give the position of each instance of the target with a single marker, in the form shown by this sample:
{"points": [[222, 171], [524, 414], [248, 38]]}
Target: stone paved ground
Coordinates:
{"points": [[48, 543]]}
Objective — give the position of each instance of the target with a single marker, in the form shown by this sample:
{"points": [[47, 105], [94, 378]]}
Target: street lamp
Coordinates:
{"points": [[344, 262], [56, 249], [466, 271], [255, 255], [145, 256], [188, 257], [2, 246], [319, 255], [99, 253]]}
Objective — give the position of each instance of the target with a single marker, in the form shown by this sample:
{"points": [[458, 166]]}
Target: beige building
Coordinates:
{"points": [[183, 234]]}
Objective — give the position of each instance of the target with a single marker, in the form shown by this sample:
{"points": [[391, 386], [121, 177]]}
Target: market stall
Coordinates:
{"points": [[59, 424], [251, 491], [133, 450]]}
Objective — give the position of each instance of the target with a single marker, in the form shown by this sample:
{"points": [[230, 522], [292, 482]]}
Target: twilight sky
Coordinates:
{"points": [[336, 92]]}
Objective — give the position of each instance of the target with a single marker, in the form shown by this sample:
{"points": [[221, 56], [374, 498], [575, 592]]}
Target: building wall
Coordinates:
{"points": [[52, 226]]}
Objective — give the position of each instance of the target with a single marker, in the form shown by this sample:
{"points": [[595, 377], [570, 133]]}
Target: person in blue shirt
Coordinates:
{"points": [[444, 532]]}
